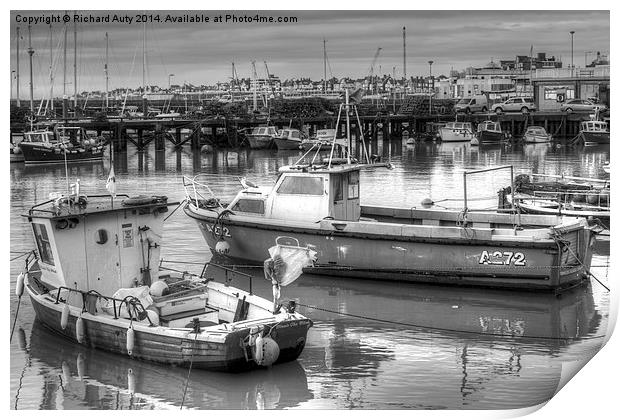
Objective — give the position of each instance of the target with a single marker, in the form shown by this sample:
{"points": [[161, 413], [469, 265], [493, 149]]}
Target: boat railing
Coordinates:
{"points": [[198, 192], [592, 197], [72, 197], [229, 274], [477, 171]]}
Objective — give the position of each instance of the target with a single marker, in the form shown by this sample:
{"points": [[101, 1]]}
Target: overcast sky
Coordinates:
{"points": [[202, 53]]}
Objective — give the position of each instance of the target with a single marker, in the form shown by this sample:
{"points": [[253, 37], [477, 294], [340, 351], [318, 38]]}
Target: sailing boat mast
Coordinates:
{"points": [[30, 53], [254, 85], [75, 96], [324, 67], [64, 65], [51, 101], [144, 58], [105, 69], [17, 74]]}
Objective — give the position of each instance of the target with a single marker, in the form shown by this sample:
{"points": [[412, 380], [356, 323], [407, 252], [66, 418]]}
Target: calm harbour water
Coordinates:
{"points": [[443, 347]]}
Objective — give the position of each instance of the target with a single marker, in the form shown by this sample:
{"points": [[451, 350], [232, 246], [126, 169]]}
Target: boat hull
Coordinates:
{"points": [[35, 154], [528, 138], [155, 345], [287, 144], [260, 142], [595, 137], [305, 146], [458, 259], [453, 135], [490, 137]]}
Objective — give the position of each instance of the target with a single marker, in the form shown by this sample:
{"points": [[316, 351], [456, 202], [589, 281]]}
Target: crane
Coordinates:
{"points": [[372, 66], [269, 80]]}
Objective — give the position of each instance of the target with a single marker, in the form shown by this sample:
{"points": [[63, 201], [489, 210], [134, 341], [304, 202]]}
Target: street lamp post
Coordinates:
{"points": [[430, 97], [572, 66]]}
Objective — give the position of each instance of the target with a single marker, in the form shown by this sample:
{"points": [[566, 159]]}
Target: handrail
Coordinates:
{"points": [[226, 271], [34, 207]]}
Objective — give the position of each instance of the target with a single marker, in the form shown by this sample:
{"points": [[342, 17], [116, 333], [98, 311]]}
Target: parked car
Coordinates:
{"points": [[523, 105], [470, 104], [581, 105]]}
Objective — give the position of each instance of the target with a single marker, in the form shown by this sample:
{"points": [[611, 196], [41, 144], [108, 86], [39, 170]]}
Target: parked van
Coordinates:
{"points": [[470, 104]]}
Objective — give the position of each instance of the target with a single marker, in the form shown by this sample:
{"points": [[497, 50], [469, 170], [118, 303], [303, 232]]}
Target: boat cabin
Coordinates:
{"points": [[459, 126], [264, 131], [73, 135], [326, 134], [598, 126], [302, 193], [291, 134], [536, 130], [98, 243], [489, 126], [40, 136]]}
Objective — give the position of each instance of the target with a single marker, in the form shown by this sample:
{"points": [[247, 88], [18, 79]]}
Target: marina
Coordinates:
{"points": [[240, 238]]}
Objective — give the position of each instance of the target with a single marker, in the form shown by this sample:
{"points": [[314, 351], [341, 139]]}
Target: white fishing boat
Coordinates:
{"points": [[93, 279], [536, 134], [323, 140], [318, 205], [457, 131], [594, 132], [289, 139], [262, 137]]}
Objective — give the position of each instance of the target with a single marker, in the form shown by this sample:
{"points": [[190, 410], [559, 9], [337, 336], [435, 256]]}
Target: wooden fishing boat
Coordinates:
{"points": [[456, 131], [536, 134], [318, 205], [488, 132], [289, 139], [92, 281], [323, 140], [594, 132], [563, 195], [262, 137], [70, 144]]}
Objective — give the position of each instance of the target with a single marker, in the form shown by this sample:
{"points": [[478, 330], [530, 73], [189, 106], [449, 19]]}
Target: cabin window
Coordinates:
{"points": [[249, 206], [43, 243], [301, 185], [354, 185]]}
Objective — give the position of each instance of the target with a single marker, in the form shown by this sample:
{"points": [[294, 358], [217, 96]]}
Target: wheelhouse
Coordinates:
{"points": [[264, 131], [489, 126], [593, 126]]}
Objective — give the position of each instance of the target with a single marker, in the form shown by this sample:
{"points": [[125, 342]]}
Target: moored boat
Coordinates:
{"points": [[70, 144], [262, 137], [323, 140], [536, 134], [289, 139], [456, 131], [105, 293], [488, 132], [318, 205], [594, 132]]}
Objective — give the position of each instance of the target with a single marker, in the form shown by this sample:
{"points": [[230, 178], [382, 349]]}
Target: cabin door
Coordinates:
{"points": [[103, 265], [337, 187]]}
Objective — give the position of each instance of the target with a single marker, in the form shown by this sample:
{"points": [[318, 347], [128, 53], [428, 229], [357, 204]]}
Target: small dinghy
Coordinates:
{"points": [[93, 281]]}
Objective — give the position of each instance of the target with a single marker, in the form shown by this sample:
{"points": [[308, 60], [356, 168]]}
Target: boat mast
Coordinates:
{"points": [[254, 84], [105, 69], [64, 65], [324, 67], [404, 57], [232, 81], [75, 95], [51, 101], [144, 59], [347, 108], [17, 74], [30, 53]]}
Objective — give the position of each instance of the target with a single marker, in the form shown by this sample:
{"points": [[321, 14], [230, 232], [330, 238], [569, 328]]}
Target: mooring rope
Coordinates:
{"points": [[19, 301], [191, 360]]}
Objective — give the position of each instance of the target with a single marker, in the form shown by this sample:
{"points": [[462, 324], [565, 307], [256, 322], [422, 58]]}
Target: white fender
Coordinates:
{"points": [[131, 381], [130, 340], [19, 285], [81, 365], [64, 317], [79, 329], [66, 373], [266, 351]]}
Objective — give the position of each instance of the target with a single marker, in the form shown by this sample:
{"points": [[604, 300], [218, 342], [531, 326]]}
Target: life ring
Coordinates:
{"points": [[141, 200]]}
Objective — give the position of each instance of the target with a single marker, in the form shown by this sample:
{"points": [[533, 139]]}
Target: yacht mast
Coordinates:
{"points": [[324, 67], [254, 84], [75, 90], [17, 62], [347, 108], [30, 53], [64, 65], [51, 101], [105, 68], [144, 58]]}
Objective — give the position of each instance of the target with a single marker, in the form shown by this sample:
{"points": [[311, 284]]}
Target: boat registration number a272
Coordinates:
{"points": [[502, 258]]}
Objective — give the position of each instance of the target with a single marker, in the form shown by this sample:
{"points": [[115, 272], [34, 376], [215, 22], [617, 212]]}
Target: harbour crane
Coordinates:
{"points": [[372, 67], [273, 94]]}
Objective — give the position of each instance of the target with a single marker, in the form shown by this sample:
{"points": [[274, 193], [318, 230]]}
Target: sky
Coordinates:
{"points": [[202, 53]]}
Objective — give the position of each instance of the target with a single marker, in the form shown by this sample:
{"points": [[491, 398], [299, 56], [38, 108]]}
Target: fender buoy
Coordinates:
{"points": [[222, 247], [64, 317], [81, 366], [153, 317], [143, 199], [66, 372], [19, 286], [131, 381], [130, 340], [266, 351], [79, 329]]}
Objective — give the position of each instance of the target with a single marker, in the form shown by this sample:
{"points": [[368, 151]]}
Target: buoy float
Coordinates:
{"points": [[153, 317], [21, 337], [64, 317], [79, 329], [222, 247], [427, 202], [19, 286], [131, 381], [81, 366], [130, 340], [266, 351], [66, 372]]}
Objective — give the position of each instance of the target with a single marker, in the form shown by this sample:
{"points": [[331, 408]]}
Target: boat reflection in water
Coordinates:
{"points": [[76, 377]]}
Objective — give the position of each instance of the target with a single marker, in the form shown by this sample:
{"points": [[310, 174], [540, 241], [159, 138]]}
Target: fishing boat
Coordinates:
{"points": [[488, 132], [92, 280], [262, 137], [456, 131], [594, 132], [323, 140], [70, 144], [536, 134], [563, 195], [289, 139], [317, 204]]}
